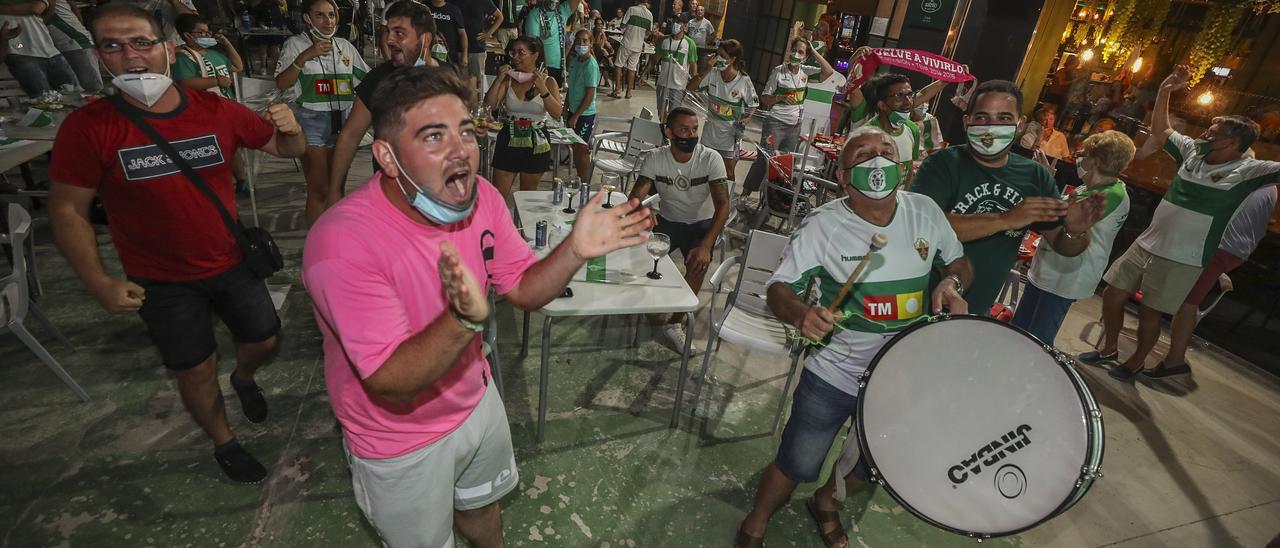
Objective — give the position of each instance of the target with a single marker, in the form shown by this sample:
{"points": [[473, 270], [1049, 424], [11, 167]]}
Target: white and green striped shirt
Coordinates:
{"points": [[327, 82], [675, 56], [66, 30], [635, 27], [791, 88], [1188, 224]]}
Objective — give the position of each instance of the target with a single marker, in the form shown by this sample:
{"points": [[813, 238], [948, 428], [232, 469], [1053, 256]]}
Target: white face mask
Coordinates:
{"points": [[316, 31], [146, 87]]}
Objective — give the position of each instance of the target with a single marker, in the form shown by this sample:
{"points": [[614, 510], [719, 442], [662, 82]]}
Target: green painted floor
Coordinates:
{"points": [[1190, 463]]}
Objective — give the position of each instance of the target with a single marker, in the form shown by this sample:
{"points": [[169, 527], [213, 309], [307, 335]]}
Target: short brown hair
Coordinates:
{"points": [[408, 86], [1111, 151], [1243, 130], [115, 9]]}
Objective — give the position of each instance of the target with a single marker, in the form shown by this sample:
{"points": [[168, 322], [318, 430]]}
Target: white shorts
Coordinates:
{"points": [[628, 59], [410, 499]]}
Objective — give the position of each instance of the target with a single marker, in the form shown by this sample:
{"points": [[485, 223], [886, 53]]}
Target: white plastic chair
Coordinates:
{"points": [[643, 136], [15, 301], [747, 321], [1225, 284]]}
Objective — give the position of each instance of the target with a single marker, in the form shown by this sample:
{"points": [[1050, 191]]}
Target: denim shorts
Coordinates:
{"points": [[318, 125], [818, 410]]}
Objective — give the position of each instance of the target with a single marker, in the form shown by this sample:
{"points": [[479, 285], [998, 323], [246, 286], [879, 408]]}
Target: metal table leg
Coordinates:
{"points": [[542, 381], [524, 333], [684, 368]]}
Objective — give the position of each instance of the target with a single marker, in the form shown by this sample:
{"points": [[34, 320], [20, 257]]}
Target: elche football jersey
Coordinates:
{"points": [[636, 25], [891, 294], [685, 188], [791, 88], [327, 82], [675, 55], [817, 102], [1188, 223], [726, 102]]}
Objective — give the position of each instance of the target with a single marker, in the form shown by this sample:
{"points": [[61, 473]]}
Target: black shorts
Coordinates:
{"points": [[684, 236], [521, 159], [179, 315]]}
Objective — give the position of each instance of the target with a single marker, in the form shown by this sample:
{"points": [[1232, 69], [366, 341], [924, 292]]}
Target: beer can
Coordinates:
{"points": [[540, 235], [557, 191], [584, 194]]}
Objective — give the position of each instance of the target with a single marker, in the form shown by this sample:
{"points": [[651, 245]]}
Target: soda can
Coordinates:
{"points": [[557, 191], [584, 194], [540, 235]]}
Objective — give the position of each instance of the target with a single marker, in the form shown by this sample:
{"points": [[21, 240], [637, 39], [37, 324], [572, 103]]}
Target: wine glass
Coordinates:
{"points": [[480, 117], [609, 183], [571, 186], [657, 246]]}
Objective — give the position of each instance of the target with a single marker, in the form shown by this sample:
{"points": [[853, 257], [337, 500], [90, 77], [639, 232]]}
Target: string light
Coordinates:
{"points": [[1205, 98], [1137, 65], [1087, 55]]}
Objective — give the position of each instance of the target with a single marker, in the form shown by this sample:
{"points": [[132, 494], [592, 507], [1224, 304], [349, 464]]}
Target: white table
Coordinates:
{"points": [[631, 293]]}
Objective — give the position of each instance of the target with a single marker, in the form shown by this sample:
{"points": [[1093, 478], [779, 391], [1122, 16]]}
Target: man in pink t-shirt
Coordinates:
{"points": [[399, 272]]}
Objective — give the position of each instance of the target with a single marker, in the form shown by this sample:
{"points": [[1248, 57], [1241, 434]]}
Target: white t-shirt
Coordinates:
{"points": [[817, 102], [1249, 224], [1077, 277], [676, 55], [699, 30], [685, 188], [727, 102], [792, 86], [34, 40], [893, 291], [1188, 224], [635, 27]]}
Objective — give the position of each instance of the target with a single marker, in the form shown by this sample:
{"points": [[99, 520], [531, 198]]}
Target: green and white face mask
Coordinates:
{"points": [[991, 141], [876, 178], [1204, 147], [898, 118]]}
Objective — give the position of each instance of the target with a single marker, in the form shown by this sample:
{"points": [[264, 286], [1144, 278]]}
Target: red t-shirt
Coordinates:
{"points": [[163, 227]]}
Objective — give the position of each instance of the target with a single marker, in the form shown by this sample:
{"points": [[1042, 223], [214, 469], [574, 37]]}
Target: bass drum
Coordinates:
{"points": [[977, 427]]}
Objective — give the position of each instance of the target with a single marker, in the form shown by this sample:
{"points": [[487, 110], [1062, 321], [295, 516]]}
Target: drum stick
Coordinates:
{"points": [[877, 242]]}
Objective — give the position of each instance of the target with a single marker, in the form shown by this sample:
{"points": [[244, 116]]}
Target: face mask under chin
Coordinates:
{"points": [[434, 209]]}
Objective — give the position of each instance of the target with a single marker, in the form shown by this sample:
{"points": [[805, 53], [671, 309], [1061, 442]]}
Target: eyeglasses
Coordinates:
{"points": [[137, 44], [901, 95]]}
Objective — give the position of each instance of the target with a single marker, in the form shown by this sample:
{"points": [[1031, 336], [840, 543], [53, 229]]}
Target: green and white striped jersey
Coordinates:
{"points": [[1188, 224], [791, 87], [891, 294], [675, 56], [727, 102], [327, 82]]}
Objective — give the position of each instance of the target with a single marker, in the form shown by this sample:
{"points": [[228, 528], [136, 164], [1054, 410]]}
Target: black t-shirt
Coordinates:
{"points": [[367, 89], [475, 15], [448, 20]]}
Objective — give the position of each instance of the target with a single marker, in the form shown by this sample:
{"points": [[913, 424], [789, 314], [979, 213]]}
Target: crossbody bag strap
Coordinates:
{"points": [[165, 146]]}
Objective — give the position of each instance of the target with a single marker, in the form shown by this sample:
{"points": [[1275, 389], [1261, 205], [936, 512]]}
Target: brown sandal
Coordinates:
{"points": [[824, 518]]}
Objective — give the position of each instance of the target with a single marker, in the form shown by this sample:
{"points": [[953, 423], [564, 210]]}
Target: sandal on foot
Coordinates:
{"points": [[1161, 371], [615, 95], [745, 540], [1095, 357], [823, 518], [1120, 372]]}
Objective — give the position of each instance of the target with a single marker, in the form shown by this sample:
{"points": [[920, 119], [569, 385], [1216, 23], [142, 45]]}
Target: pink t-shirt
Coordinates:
{"points": [[371, 272]]}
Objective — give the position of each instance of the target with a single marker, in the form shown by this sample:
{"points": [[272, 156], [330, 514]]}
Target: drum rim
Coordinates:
{"points": [[1082, 391]]}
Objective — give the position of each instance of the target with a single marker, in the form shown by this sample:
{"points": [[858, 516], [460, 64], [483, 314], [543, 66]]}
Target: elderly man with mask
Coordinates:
{"points": [[410, 29], [992, 197], [181, 262], [399, 273], [1215, 176], [826, 249]]}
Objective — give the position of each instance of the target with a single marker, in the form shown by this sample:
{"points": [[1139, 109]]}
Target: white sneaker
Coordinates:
{"points": [[674, 333]]}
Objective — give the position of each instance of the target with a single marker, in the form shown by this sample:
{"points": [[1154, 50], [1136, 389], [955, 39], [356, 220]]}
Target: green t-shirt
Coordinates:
{"points": [[962, 186], [583, 75], [215, 63], [548, 25]]}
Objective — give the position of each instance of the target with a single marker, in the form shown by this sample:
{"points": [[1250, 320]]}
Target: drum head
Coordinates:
{"points": [[973, 426]]}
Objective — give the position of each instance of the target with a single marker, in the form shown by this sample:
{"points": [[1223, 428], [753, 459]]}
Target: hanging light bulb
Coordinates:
{"points": [[1205, 98], [1087, 55], [1137, 65]]}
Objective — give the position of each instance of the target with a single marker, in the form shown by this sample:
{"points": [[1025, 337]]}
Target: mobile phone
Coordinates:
{"points": [[650, 200]]}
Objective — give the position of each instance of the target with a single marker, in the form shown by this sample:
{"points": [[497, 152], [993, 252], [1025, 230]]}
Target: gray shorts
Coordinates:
{"points": [[410, 499], [669, 98]]}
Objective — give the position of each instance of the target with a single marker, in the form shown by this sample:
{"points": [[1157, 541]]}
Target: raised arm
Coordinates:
{"points": [[288, 141], [1177, 81]]}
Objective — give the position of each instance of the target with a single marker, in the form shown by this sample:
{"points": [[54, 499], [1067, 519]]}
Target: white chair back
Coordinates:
{"points": [[761, 259], [645, 135]]}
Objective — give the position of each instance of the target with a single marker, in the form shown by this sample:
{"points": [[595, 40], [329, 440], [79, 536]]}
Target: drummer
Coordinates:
{"points": [[887, 297]]}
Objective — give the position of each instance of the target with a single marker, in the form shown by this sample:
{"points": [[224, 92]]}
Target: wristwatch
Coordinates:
{"points": [[959, 285], [474, 327], [1075, 235]]}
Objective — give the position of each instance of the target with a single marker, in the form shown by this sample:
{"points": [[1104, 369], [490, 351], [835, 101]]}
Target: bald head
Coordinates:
{"points": [[865, 143]]}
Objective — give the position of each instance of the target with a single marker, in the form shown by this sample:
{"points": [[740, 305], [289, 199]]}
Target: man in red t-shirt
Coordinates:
{"points": [[182, 263]]}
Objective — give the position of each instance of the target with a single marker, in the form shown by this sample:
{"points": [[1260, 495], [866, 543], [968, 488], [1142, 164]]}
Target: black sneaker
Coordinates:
{"points": [[252, 401], [1161, 371], [1094, 357], [238, 464]]}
